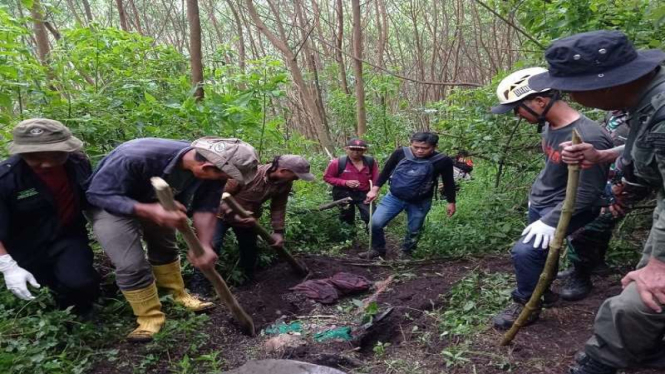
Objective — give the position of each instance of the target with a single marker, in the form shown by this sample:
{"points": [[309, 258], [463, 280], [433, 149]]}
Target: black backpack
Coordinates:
{"points": [[413, 178], [341, 165]]}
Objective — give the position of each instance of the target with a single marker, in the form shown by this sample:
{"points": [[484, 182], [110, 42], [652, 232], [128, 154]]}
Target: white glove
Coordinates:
{"points": [[543, 233], [17, 278]]}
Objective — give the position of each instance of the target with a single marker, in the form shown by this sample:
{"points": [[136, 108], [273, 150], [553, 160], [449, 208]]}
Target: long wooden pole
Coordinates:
{"points": [[265, 235], [369, 223], [549, 270], [165, 197], [332, 204]]}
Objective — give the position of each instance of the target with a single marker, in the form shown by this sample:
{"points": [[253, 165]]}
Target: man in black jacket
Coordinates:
{"points": [[43, 239], [413, 172]]}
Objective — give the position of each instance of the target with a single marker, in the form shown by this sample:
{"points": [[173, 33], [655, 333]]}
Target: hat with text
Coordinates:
{"points": [[514, 88], [356, 143]]}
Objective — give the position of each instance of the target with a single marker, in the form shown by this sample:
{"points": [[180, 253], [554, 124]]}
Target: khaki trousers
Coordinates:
{"points": [[120, 238]]}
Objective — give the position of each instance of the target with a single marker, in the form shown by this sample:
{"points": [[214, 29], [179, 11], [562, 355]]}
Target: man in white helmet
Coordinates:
{"points": [[549, 190]]}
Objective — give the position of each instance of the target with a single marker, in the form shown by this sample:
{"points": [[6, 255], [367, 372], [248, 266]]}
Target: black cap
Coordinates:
{"points": [[595, 60], [357, 143]]}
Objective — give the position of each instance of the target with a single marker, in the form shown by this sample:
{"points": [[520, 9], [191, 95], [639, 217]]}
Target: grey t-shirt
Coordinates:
{"points": [[549, 189]]}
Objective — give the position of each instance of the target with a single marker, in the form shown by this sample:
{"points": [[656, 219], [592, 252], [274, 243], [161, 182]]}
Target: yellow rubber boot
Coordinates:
{"points": [[169, 277], [148, 311]]}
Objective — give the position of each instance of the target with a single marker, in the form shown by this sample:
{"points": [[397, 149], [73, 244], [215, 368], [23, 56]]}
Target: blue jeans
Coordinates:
{"points": [[529, 262], [389, 208]]}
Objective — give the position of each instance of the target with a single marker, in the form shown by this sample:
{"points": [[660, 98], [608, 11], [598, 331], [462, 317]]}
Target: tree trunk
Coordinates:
{"points": [[195, 56], [88, 11], [292, 63], [382, 30], [123, 15], [339, 39], [137, 19], [72, 9], [241, 38], [361, 116], [252, 43], [41, 37], [316, 12], [310, 60]]}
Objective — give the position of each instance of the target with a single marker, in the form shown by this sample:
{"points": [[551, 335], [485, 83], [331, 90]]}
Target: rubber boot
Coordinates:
{"points": [[148, 311], [169, 277]]}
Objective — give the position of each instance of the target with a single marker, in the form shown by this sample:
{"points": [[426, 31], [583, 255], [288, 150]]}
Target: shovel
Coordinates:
{"points": [[165, 197], [299, 268]]}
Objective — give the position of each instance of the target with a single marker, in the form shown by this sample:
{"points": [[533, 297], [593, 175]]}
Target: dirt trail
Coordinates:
{"points": [[546, 347]]}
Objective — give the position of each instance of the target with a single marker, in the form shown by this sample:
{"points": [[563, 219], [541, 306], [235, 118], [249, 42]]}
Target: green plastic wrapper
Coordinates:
{"points": [[283, 328], [340, 333]]}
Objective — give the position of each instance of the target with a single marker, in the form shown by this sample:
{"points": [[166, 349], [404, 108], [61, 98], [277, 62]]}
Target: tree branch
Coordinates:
{"points": [[511, 24]]}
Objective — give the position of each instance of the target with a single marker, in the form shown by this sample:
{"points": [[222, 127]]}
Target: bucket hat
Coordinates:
{"points": [[43, 135], [595, 60]]}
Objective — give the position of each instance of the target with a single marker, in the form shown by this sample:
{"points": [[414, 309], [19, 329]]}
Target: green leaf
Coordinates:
{"points": [[149, 98], [5, 100]]}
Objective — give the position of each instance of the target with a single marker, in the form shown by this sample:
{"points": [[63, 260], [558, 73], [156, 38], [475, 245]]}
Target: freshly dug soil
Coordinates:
{"points": [[421, 286]]}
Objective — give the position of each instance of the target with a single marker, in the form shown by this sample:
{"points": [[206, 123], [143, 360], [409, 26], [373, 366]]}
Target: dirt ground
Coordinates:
{"points": [[421, 286]]}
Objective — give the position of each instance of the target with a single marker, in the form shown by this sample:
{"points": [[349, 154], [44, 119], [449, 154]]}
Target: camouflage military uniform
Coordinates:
{"points": [[626, 331]]}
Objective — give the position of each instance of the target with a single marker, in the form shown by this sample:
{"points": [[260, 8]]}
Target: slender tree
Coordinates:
{"points": [[88, 11], [339, 38], [195, 55], [41, 37], [123, 15], [361, 116], [241, 37], [306, 95]]}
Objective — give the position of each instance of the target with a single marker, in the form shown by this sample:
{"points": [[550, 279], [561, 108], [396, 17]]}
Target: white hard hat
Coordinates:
{"points": [[514, 88]]}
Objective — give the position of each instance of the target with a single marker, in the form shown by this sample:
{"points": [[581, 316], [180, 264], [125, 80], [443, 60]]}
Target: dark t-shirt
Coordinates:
{"points": [[549, 189], [57, 182]]}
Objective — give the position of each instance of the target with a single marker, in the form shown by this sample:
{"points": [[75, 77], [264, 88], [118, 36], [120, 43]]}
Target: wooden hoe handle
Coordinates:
{"points": [[299, 268], [335, 203], [165, 197]]}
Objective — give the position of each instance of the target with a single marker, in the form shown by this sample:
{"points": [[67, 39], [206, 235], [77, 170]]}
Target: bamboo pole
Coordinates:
{"points": [[165, 197], [549, 271], [265, 235], [369, 223]]}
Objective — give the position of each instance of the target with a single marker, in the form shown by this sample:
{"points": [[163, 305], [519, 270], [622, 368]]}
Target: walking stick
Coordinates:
{"points": [[548, 273], [299, 268], [165, 197], [369, 224]]}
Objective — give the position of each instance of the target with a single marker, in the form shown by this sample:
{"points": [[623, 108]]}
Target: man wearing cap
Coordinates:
{"points": [[543, 107], [351, 176], [43, 239], [602, 69], [128, 212], [272, 182]]}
